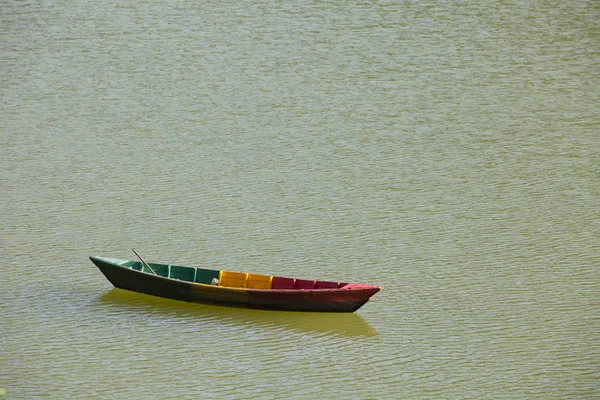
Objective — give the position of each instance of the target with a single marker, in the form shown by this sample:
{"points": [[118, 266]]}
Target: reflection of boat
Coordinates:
{"points": [[236, 289], [346, 324]]}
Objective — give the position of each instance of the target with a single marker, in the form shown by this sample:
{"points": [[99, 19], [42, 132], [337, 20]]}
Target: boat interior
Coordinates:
{"points": [[232, 279]]}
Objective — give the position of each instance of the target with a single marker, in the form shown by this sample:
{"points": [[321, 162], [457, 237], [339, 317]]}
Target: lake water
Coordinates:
{"points": [[448, 151]]}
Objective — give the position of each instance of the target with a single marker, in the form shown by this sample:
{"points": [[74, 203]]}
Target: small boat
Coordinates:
{"points": [[234, 289]]}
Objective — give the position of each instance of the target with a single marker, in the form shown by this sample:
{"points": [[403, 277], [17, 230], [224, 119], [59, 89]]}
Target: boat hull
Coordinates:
{"points": [[347, 299]]}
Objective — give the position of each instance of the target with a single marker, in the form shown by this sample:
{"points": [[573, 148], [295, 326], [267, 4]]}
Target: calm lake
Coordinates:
{"points": [[448, 151]]}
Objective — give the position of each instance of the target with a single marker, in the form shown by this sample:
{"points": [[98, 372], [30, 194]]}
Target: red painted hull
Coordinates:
{"points": [[346, 299]]}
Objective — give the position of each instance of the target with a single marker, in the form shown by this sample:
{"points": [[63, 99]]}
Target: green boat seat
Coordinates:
{"points": [[160, 269], [136, 265], [182, 273], [206, 276]]}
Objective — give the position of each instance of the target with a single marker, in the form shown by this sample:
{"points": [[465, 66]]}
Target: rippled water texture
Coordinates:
{"points": [[448, 151]]}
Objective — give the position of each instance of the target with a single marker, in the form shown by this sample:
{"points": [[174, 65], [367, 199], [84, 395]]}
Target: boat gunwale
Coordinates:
{"points": [[353, 286]]}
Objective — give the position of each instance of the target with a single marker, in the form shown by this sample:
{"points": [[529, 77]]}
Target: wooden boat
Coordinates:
{"points": [[235, 289]]}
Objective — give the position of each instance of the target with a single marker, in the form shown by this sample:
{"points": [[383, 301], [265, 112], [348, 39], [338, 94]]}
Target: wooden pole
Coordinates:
{"points": [[144, 262]]}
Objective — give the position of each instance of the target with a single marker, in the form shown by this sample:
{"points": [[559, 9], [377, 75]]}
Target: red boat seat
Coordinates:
{"points": [[357, 286], [280, 282], [326, 285], [304, 284]]}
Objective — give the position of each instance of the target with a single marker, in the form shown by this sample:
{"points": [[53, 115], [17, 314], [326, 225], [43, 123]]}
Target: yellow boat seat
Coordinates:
{"points": [[232, 279], [256, 281]]}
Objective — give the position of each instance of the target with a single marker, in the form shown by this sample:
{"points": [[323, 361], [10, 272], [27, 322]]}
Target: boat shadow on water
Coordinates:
{"points": [[339, 324], [342, 324]]}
